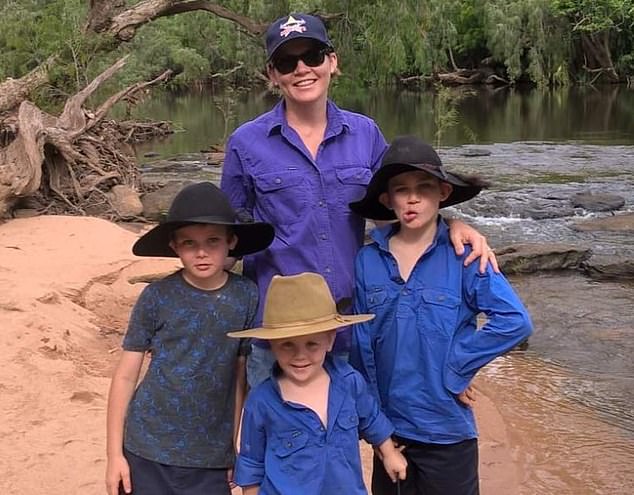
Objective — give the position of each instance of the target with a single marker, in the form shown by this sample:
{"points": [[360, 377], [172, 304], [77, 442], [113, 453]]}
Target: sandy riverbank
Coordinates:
{"points": [[64, 303]]}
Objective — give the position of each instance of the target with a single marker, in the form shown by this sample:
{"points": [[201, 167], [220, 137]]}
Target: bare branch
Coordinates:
{"points": [[125, 24], [73, 118], [14, 91]]}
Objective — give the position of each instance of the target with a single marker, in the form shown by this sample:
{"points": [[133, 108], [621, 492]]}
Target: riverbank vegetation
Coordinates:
{"points": [[542, 42], [62, 66]]}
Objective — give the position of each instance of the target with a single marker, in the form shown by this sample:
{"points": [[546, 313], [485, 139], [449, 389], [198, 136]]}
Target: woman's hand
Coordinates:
{"points": [[460, 234]]}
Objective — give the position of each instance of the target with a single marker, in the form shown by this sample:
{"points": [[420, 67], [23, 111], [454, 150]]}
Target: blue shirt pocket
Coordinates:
{"points": [[439, 312], [282, 197], [289, 442], [375, 297], [346, 430], [352, 182]]}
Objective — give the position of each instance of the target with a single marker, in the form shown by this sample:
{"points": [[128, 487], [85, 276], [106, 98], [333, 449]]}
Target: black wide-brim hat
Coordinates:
{"points": [[405, 154], [203, 203]]}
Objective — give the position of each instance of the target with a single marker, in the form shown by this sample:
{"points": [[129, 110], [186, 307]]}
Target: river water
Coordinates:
{"points": [[568, 397]]}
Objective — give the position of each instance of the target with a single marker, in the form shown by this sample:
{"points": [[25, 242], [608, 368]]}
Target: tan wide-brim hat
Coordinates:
{"points": [[299, 305]]}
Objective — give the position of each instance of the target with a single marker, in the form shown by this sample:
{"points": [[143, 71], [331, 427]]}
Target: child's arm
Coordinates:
{"points": [[393, 460], [241, 393], [460, 234], [507, 325], [251, 490], [121, 390], [249, 471]]}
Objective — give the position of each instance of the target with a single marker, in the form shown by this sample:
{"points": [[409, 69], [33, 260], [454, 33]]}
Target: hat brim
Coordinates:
{"points": [[301, 329], [252, 237], [370, 206], [298, 37]]}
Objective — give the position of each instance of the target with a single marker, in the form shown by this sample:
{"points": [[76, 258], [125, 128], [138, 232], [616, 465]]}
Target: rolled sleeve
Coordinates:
{"points": [[508, 324], [248, 471], [250, 462], [374, 426]]}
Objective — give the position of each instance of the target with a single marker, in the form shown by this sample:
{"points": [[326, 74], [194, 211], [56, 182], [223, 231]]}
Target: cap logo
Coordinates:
{"points": [[292, 25]]}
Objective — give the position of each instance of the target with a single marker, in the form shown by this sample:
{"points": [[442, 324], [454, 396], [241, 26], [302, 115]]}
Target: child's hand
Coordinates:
{"points": [[395, 465], [468, 396], [389, 452], [118, 472]]}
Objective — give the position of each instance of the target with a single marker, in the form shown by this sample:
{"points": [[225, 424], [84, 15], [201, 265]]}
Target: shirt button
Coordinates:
{"points": [[278, 180], [441, 298], [321, 203], [327, 270], [405, 291], [324, 237], [289, 444], [321, 428]]}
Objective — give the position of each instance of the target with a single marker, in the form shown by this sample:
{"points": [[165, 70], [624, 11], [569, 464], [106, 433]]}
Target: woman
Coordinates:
{"points": [[299, 165]]}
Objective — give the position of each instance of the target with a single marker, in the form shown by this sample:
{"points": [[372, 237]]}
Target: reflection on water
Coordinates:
{"points": [[568, 398], [486, 116]]}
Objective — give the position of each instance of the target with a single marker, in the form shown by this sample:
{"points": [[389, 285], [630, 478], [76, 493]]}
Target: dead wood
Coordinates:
{"points": [[67, 164], [123, 26]]}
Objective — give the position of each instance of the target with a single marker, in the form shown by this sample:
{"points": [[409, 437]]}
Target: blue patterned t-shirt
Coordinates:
{"points": [[182, 412]]}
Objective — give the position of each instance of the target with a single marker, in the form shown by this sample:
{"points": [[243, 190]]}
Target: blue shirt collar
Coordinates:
{"points": [[337, 122], [331, 365], [382, 235]]}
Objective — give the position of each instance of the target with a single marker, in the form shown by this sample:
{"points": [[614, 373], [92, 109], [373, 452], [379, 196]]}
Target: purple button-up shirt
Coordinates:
{"points": [[269, 173]]}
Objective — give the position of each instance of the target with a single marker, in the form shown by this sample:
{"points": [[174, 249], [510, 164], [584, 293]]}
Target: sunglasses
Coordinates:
{"points": [[312, 57]]}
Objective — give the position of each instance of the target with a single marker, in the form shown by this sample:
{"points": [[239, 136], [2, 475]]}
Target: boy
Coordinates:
{"points": [[421, 352], [174, 433], [301, 426]]}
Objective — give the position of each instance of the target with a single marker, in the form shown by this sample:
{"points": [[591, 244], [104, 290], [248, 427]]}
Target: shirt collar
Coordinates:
{"points": [[337, 121], [381, 235], [331, 365]]}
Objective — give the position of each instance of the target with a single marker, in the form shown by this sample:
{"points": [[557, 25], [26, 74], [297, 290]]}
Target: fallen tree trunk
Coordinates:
{"points": [[68, 164]]}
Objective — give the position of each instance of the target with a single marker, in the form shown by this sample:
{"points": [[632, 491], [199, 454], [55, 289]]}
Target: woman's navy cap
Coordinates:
{"points": [[295, 26]]}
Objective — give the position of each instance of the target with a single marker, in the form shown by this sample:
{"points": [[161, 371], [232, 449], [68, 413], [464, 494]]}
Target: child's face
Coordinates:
{"points": [[203, 250], [302, 358], [415, 198]]}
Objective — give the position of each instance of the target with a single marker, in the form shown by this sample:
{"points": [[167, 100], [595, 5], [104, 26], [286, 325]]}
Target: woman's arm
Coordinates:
{"points": [[460, 234]]}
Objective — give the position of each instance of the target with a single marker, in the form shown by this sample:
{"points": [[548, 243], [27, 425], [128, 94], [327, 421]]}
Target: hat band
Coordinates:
{"points": [[321, 319]]}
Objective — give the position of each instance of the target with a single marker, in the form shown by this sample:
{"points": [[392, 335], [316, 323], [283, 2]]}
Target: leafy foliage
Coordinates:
{"points": [[378, 42]]}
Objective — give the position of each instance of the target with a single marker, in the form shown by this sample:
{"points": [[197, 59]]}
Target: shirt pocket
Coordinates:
{"points": [[352, 182], [375, 298], [282, 197], [346, 431], [439, 312], [289, 443]]}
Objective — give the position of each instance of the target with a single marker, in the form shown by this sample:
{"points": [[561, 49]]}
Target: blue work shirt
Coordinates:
{"points": [[270, 174], [286, 450], [423, 349]]}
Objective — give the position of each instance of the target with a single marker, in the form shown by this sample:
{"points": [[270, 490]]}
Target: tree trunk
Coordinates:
{"points": [[111, 17], [123, 25], [596, 49], [14, 91], [70, 161]]}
